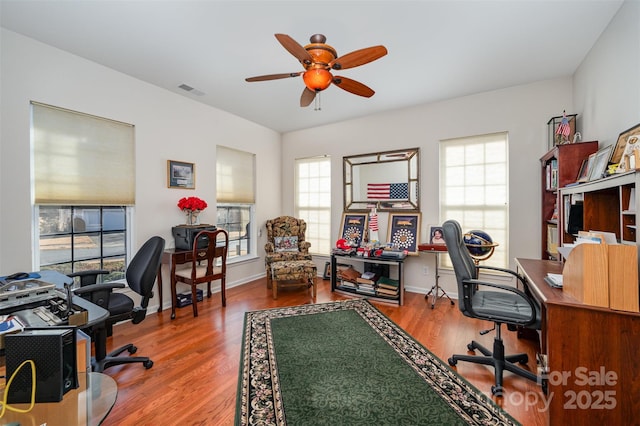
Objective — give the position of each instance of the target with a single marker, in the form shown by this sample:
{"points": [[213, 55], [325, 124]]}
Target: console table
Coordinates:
{"points": [[399, 262], [589, 353]]}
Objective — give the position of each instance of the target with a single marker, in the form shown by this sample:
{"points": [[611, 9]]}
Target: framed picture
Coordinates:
{"points": [[326, 275], [436, 235], [628, 136], [181, 175], [600, 162], [583, 173], [403, 231], [353, 227]]}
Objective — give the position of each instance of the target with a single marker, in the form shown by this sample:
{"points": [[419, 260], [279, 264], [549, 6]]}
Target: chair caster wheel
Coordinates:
{"points": [[173, 316], [148, 364], [470, 347], [133, 349], [452, 362], [497, 390], [545, 387]]}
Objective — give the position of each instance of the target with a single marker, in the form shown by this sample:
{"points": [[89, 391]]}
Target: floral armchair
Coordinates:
{"points": [[285, 240]]}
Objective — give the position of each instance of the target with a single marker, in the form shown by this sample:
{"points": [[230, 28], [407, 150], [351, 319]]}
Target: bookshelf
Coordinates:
{"points": [[560, 167], [362, 264]]}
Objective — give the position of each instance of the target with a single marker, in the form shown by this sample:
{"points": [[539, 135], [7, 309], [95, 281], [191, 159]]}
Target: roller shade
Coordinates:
{"points": [[235, 180], [80, 159]]}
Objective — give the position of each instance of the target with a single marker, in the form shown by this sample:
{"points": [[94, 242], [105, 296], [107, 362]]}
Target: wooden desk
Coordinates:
{"points": [[88, 405], [173, 257], [593, 374]]}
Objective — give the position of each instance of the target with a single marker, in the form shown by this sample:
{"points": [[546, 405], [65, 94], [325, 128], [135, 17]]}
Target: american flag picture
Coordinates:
{"points": [[387, 191]]}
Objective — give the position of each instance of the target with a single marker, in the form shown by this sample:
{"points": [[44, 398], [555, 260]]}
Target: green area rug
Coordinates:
{"points": [[345, 363]]}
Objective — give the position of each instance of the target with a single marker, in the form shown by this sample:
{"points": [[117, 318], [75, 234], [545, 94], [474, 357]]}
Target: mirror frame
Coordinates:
{"points": [[351, 167]]}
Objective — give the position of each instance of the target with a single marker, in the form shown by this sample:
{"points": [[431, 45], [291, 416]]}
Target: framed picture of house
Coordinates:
{"points": [[403, 232], [353, 227], [181, 175]]}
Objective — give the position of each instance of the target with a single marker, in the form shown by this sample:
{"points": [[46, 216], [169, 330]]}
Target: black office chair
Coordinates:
{"points": [[141, 276], [489, 301]]}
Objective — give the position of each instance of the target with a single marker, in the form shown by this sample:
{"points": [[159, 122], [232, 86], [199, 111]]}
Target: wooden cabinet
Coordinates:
{"points": [[560, 167]]}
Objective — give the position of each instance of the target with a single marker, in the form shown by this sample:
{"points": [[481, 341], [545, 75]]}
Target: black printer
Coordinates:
{"points": [[185, 234]]}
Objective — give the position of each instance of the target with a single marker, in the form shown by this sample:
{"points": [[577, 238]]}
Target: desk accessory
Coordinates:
{"points": [[53, 351]]}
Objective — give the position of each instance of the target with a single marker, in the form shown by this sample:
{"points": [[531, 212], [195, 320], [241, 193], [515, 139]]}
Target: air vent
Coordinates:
{"points": [[190, 89]]}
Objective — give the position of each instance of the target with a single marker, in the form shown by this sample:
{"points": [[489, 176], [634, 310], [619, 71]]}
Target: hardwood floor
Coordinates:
{"points": [[196, 360]]}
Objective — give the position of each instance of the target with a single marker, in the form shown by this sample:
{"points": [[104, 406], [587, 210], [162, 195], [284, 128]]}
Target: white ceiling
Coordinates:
{"points": [[437, 49]]}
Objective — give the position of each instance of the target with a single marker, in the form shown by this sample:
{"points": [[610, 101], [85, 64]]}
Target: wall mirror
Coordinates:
{"points": [[388, 181]]}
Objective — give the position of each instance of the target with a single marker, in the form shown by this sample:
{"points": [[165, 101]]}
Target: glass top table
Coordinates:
{"points": [[88, 405]]}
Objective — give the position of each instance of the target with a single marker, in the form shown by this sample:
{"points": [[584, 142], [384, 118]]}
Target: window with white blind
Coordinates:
{"points": [[84, 190], [313, 201], [235, 199], [474, 188]]}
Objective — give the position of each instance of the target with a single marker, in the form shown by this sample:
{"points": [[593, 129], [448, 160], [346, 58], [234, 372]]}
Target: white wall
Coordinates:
{"points": [[522, 111], [607, 83], [167, 126], [605, 92]]}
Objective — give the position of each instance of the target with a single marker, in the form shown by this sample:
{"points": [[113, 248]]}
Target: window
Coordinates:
{"points": [[235, 196], [313, 201], [474, 188], [84, 186], [80, 238]]}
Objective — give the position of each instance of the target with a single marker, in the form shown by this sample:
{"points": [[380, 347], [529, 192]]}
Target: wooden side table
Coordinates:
{"points": [[436, 249], [173, 257]]}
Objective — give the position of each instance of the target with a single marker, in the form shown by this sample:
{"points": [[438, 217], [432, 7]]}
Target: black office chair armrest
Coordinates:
{"points": [[506, 271], [88, 277], [98, 294], [470, 287], [97, 287]]}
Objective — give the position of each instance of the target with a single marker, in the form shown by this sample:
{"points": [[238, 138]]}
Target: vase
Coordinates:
{"points": [[192, 217]]}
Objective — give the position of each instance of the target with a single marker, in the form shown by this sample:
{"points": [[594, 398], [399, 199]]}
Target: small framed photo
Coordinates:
{"points": [[181, 175], [600, 162], [403, 232], [326, 275], [628, 136], [353, 227], [436, 235], [583, 173]]}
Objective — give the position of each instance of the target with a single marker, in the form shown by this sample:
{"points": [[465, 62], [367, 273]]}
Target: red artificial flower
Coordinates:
{"points": [[192, 204]]}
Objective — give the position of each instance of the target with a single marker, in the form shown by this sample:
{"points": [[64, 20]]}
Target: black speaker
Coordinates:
{"points": [[53, 351], [575, 222]]}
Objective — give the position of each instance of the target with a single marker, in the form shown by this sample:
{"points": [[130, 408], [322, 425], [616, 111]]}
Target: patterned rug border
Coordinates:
{"points": [[259, 398]]}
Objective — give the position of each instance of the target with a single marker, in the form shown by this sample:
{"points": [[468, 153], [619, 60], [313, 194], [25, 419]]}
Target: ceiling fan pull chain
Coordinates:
{"points": [[317, 105]]}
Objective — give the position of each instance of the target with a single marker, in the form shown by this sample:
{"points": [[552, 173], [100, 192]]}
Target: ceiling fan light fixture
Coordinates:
{"points": [[317, 79]]}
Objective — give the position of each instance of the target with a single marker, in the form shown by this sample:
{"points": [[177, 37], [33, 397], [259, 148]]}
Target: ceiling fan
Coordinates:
{"points": [[318, 59]]}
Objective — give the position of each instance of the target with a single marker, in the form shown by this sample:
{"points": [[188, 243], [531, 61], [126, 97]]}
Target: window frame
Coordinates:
{"points": [[128, 232], [313, 235], [473, 215]]}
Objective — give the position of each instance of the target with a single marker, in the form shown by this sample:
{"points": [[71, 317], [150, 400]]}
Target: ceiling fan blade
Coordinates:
{"points": [[273, 76], [307, 97], [353, 86], [294, 48], [358, 57]]}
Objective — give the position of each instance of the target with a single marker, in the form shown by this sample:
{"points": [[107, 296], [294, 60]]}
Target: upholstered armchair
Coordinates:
{"points": [[285, 240]]}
